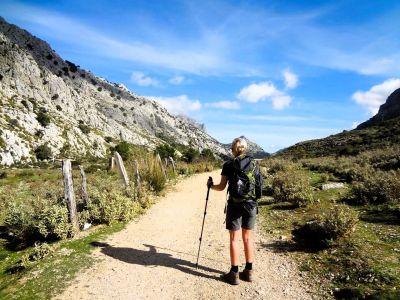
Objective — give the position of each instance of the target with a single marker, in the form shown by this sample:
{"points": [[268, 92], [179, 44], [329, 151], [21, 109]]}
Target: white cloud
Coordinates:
{"points": [[141, 79], [177, 80], [272, 118], [354, 125], [258, 92], [179, 105], [280, 102], [376, 95], [291, 79], [224, 104], [265, 91]]}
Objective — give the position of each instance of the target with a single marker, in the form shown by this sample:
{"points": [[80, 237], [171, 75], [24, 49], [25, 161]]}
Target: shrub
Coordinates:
{"points": [[165, 151], [14, 123], [43, 118], [41, 221], [336, 223], [40, 251], [39, 133], [207, 154], [190, 154], [2, 143], [275, 165], [43, 152], [124, 149], [99, 89], [110, 207], [53, 222], [377, 187], [84, 128], [292, 186], [72, 67], [58, 107], [153, 174]]}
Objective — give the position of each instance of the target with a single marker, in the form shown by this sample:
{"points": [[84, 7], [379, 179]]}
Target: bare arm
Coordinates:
{"points": [[222, 184]]}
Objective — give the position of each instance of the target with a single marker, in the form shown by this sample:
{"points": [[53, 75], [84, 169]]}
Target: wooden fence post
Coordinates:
{"points": [[121, 168], [69, 194], [172, 163], [137, 176], [84, 184], [161, 165]]}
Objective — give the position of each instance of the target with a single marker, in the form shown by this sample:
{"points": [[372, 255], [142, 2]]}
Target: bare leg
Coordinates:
{"points": [[247, 235], [234, 247]]}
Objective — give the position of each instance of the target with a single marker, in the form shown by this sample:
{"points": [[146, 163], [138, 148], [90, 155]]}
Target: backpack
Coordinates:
{"points": [[246, 182]]}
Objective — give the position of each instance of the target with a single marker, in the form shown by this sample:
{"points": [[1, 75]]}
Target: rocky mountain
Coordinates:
{"points": [[46, 100], [389, 110], [380, 131], [252, 149]]}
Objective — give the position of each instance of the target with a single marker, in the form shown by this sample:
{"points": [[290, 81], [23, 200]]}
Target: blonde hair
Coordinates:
{"points": [[239, 146]]}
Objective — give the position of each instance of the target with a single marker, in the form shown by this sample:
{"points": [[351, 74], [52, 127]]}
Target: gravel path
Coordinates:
{"points": [[155, 257]]}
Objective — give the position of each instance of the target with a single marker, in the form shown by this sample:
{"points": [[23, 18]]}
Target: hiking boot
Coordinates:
{"points": [[231, 278], [246, 275]]}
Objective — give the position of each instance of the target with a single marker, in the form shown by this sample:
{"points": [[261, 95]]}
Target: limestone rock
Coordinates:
{"points": [[47, 100]]}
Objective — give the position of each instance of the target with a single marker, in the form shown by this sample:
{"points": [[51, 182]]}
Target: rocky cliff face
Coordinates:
{"points": [[389, 110], [46, 100], [252, 149]]}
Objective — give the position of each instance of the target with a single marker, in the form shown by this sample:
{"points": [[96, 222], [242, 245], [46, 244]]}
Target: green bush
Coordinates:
{"points": [[275, 165], [43, 152], [43, 118], [53, 222], [336, 223], [40, 251], [292, 186], [339, 221], [377, 187], [2, 143], [124, 149], [165, 151], [207, 154], [42, 221], [110, 207], [190, 154]]}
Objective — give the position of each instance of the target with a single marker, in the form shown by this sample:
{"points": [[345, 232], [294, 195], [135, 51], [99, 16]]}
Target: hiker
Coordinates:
{"points": [[241, 210]]}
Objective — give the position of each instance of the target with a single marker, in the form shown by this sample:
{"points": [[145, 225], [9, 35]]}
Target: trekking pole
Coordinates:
{"points": [[204, 218]]}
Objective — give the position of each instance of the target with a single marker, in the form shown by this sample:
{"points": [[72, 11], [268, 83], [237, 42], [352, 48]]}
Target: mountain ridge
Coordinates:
{"points": [[382, 130], [84, 112]]}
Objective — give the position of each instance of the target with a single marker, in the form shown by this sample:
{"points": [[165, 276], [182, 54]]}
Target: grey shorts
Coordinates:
{"points": [[241, 215]]}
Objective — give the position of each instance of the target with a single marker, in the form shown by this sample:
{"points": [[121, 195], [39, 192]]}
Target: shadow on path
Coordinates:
{"points": [[154, 258]]}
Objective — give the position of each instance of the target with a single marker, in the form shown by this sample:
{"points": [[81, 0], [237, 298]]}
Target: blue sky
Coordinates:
{"points": [[278, 72]]}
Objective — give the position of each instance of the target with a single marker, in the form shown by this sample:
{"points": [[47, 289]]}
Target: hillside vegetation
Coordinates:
{"points": [[37, 251], [347, 237], [334, 204], [348, 143]]}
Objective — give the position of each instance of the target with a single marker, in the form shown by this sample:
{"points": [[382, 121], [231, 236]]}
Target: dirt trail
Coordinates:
{"points": [[154, 258]]}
